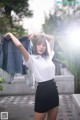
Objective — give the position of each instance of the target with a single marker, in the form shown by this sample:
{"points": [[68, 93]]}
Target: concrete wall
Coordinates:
{"points": [[65, 84], [76, 106]]}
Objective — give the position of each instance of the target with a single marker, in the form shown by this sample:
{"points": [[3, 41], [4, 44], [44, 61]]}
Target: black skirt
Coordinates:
{"points": [[47, 96]]}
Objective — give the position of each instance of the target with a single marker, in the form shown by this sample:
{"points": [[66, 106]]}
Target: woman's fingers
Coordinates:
{"points": [[8, 36], [30, 36]]}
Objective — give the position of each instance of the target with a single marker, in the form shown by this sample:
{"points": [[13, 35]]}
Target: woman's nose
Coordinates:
{"points": [[41, 45]]}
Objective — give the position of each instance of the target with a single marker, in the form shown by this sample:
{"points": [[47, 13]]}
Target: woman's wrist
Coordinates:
{"points": [[8, 36]]}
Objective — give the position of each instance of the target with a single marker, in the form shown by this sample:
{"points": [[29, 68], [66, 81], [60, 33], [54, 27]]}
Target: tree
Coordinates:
{"points": [[12, 23], [53, 24], [20, 7]]}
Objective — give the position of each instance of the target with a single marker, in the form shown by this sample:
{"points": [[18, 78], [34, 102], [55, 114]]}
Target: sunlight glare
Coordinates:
{"points": [[74, 38]]}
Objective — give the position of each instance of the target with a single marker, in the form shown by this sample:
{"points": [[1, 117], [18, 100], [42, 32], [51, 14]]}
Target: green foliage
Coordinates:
{"points": [[52, 24], [21, 7], [1, 81], [4, 25], [18, 31]]}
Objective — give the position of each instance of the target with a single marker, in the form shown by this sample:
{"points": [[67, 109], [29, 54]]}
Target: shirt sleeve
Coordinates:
{"points": [[51, 52], [29, 62]]}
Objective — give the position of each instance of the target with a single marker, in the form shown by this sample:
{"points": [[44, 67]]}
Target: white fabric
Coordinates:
{"points": [[48, 46], [42, 67], [51, 53]]}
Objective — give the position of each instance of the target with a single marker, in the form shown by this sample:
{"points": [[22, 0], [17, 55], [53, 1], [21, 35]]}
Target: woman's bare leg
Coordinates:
{"points": [[52, 114], [39, 116]]}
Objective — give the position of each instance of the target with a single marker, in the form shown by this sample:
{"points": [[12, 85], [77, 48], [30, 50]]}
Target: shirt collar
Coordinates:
{"points": [[38, 56]]}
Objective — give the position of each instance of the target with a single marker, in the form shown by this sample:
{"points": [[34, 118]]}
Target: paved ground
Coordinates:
{"points": [[22, 107]]}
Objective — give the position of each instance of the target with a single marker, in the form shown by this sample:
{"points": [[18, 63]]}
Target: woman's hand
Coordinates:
{"points": [[18, 44], [8, 36], [32, 35]]}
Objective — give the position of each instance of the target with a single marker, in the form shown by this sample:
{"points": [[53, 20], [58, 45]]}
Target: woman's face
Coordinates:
{"points": [[40, 48]]}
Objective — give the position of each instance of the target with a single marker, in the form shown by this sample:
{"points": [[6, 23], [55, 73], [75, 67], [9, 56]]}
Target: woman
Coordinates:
{"points": [[41, 65]]}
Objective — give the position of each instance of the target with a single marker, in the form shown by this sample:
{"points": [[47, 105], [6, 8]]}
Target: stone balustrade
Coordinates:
{"points": [[76, 106], [65, 84]]}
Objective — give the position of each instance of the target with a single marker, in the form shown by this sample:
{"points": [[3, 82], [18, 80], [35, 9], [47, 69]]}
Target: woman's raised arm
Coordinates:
{"points": [[18, 44], [50, 39]]}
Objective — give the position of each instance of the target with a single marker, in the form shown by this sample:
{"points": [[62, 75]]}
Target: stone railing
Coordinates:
{"points": [[65, 84], [76, 106]]}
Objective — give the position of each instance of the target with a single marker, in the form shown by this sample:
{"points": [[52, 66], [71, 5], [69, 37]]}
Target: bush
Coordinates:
{"points": [[1, 81]]}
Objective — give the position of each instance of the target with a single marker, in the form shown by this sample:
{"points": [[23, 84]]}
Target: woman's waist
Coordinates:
{"points": [[46, 81]]}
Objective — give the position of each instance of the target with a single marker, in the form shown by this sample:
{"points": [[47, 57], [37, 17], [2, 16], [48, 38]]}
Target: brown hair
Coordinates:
{"points": [[38, 40]]}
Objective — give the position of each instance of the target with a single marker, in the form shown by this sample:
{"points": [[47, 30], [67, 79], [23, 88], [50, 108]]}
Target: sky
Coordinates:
{"points": [[40, 9]]}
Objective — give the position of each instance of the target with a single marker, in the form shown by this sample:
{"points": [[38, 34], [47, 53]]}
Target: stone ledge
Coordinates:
{"points": [[76, 106], [65, 83], [19, 86]]}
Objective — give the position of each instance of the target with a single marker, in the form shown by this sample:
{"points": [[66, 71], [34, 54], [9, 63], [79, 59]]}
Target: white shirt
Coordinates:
{"points": [[42, 67]]}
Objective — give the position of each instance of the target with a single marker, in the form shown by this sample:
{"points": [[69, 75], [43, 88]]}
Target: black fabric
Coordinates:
{"points": [[46, 96]]}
